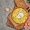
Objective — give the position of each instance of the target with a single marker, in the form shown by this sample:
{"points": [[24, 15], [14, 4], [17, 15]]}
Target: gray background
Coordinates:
{"points": [[3, 14]]}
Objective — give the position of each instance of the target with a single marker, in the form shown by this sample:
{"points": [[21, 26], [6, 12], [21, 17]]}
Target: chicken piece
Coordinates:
{"points": [[27, 24], [21, 3]]}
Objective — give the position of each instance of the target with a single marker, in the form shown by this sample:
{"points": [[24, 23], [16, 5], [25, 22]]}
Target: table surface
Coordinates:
{"points": [[3, 14]]}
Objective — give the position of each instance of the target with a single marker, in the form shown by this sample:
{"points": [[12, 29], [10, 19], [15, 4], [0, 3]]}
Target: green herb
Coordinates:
{"points": [[28, 1]]}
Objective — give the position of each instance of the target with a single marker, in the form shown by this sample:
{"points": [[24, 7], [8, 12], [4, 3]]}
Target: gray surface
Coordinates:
{"points": [[3, 14]]}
